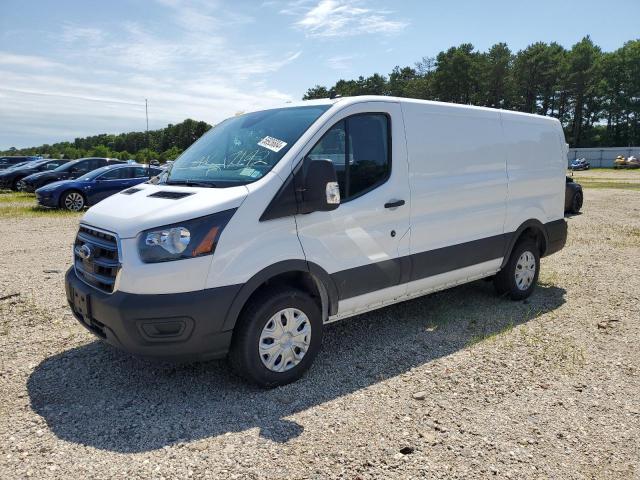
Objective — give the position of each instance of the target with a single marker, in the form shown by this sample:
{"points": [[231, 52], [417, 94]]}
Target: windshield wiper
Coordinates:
{"points": [[190, 183]]}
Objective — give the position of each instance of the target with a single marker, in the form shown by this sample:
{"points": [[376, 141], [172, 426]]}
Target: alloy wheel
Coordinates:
{"points": [[74, 201]]}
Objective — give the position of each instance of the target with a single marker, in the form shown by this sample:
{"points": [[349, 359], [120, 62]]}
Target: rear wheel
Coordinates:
{"points": [[73, 201], [576, 202], [519, 276], [277, 337]]}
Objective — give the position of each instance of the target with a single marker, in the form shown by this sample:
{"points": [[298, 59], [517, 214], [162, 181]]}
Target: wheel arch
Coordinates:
{"points": [[530, 228], [307, 276]]}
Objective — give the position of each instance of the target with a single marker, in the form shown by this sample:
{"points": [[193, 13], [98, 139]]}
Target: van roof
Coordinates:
{"points": [[383, 98]]}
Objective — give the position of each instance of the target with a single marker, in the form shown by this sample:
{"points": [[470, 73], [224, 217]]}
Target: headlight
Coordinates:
{"points": [[189, 239]]}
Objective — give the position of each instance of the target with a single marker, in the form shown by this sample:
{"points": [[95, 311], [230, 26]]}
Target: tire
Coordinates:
{"points": [[14, 184], [525, 259], [576, 202], [258, 326], [73, 201]]}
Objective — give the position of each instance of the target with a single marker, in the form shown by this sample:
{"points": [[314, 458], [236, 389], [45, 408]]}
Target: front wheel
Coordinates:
{"points": [[277, 337], [519, 276], [73, 201]]}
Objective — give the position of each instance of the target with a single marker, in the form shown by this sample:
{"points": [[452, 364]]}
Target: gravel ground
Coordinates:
{"points": [[459, 384]]}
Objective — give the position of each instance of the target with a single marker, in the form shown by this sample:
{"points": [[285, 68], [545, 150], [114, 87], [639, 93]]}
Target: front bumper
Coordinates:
{"points": [[29, 187], [174, 327], [47, 199]]}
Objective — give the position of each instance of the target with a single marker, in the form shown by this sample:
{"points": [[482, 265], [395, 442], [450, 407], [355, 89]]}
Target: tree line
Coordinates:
{"points": [[595, 94], [162, 144]]}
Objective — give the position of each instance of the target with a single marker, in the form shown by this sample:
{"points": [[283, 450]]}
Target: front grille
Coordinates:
{"points": [[101, 265]]}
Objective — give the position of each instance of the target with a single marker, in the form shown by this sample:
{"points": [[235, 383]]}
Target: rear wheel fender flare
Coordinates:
{"points": [[533, 224]]}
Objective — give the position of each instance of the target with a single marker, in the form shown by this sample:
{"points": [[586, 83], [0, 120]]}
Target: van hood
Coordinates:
{"points": [[148, 206]]}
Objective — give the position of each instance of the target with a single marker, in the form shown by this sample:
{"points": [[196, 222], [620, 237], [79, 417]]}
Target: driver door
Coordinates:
{"points": [[362, 242]]}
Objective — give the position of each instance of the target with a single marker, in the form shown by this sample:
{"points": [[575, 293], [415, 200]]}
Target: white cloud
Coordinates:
{"points": [[75, 34], [28, 61], [96, 78], [57, 107], [340, 62], [342, 18]]}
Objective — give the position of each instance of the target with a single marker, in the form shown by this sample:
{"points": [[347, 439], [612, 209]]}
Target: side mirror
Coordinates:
{"points": [[320, 191], [312, 187]]}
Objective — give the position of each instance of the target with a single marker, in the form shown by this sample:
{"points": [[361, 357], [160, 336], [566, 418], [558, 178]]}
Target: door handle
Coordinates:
{"points": [[394, 203]]}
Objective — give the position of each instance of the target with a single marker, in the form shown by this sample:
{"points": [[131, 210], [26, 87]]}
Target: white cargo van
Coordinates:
{"points": [[279, 221]]}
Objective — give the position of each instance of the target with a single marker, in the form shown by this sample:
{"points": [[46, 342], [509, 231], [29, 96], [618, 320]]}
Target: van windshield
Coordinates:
{"points": [[242, 149]]}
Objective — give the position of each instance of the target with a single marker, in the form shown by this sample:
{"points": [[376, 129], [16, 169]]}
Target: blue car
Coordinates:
{"points": [[94, 186], [580, 164], [8, 162]]}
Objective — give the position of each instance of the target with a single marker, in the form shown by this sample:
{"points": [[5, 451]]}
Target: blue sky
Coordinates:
{"points": [[75, 68]]}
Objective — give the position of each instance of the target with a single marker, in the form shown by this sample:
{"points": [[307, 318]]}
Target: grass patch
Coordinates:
{"points": [[7, 196], [29, 211], [586, 183], [605, 170]]}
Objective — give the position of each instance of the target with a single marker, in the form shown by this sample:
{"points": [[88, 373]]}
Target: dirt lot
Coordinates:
{"points": [[460, 384]]}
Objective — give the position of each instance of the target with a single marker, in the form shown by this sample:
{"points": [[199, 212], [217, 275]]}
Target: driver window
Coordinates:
{"points": [[140, 172], [332, 147], [115, 174], [364, 140]]}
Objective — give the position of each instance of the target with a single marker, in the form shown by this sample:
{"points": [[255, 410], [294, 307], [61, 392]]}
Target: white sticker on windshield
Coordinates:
{"points": [[272, 144], [249, 172]]}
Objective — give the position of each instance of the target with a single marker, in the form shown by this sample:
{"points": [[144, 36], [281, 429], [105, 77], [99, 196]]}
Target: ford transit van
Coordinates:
{"points": [[279, 221]]}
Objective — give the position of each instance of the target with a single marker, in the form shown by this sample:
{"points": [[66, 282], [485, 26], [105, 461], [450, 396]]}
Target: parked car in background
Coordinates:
{"points": [[17, 165], [70, 170], [580, 164], [12, 177], [94, 186], [8, 162], [573, 196]]}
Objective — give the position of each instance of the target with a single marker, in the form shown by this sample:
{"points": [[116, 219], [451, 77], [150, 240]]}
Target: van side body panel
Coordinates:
{"points": [[477, 180], [535, 167], [458, 181]]}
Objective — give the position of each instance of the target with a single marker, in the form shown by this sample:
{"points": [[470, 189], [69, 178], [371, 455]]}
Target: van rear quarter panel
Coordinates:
{"points": [[457, 169], [535, 168]]}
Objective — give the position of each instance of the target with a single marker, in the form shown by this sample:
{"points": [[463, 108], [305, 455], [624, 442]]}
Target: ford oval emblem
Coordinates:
{"points": [[84, 252]]}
